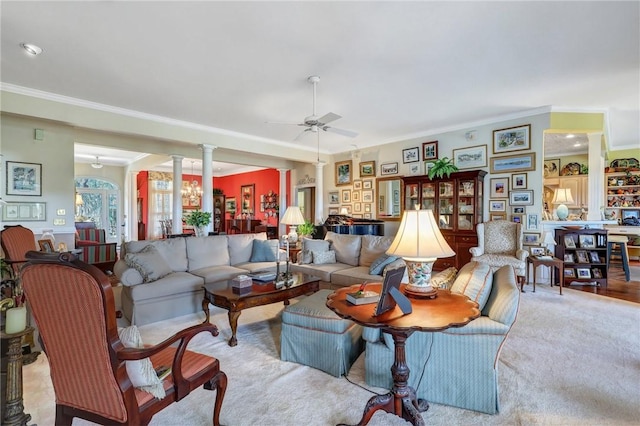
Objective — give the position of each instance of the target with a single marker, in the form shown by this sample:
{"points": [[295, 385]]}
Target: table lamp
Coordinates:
{"points": [[549, 241], [419, 242], [561, 196], [344, 211], [292, 217]]}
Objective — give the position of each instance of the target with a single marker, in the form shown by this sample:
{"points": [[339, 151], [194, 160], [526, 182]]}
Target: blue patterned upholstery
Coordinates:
{"points": [[460, 365], [314, 335]]}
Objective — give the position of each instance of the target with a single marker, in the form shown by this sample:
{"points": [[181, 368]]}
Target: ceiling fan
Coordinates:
{"points": [[313, 123]]}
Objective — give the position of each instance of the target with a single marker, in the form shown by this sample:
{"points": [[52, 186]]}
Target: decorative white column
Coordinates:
{"points": [[595, 180], [319, 220], [132, 223], [207, 181], [176, 223], [282, 229]]}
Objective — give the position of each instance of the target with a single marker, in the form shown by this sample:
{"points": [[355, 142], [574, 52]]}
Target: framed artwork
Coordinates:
{"points": [[537, 251], [583, 272], [367, 184], [470, 158], [248, 198], [512, 139], [519, 181], [497, 216], [568, 257], [587, 241], [415, 168], [569, 242], [333, 211], [22, 211], [367, 208], [334, 198], [630, 213], [367, 168], [517, 218], [346, 196], [521, 198], [230, 206], [347, 208], [411, 155], [532, 222], [356, 216], [46, 246], [597, 273], [569, 273], [388, 169], [367, 216], [499, 187], [517, 210], [428, 165], [530, 239], [367, 196], [344, 172], [357, 207], [430, 150], [357, 184], [552, 168], [595, 257], [514, 163], [355, 196], [24, 178], [497, 205]]}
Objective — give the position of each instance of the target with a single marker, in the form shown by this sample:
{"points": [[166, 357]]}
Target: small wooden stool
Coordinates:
{"points": [[617, 244]]}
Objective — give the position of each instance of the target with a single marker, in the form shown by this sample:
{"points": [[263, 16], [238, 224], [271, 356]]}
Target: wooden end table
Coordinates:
{"points": [[221, 294], [445, 311], [552, 263]]}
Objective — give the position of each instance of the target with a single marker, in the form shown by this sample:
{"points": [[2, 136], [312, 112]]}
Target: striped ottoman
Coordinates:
{"points": [[314, 335]]}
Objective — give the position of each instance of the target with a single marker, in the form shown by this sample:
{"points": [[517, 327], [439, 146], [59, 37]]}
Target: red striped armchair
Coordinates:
{"points": [[95, 248]]}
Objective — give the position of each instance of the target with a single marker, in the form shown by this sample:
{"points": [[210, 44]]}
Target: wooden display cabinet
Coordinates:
{"points": [[457, 203], [218, 213], [584, 252]]}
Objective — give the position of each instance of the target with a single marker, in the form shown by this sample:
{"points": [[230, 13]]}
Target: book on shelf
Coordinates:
{"points": [[363, 297]]}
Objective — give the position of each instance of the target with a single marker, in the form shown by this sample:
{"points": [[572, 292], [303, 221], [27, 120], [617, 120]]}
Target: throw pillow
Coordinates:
{"points": [[305, 257], [322, 257], [262, 251], [315, 245], [377, 266], [149, 263], [474, 280], [444, 279], [141, 372]]}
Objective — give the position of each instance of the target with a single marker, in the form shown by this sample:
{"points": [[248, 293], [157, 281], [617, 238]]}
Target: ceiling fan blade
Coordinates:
{"points": [[301, 135], [342, 132], [328, 118], [283, 122]]}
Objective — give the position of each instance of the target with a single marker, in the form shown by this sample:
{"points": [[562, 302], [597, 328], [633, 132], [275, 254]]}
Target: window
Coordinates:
{"points": [[100, 204]]}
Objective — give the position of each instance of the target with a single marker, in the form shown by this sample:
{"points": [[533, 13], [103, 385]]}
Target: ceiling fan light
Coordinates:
{"points": [[97, 164]]}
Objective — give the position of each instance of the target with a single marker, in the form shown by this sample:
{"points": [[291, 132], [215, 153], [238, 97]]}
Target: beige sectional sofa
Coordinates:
{"points": [[163, 278], [351, 261]]}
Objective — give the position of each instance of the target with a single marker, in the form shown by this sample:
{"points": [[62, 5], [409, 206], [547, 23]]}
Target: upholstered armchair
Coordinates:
{"points": [[16, 241], [95, 248], [499, 244], [95, 377]]}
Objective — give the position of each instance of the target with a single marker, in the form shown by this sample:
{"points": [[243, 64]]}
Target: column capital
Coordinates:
{"points": [[206, 147], [320, 164], [177, 157]]}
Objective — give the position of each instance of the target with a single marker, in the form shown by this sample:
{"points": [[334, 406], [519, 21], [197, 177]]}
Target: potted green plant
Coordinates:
{"points": [[307, 228], [199, 220], [441, 167]]}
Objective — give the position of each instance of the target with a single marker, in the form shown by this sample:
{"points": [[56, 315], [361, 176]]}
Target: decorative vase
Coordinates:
{"points": [[201, 231]]}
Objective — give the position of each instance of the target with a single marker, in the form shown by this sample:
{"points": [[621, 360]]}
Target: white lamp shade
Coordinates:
{"points": [[293, 216], [79, 200], [562, 196], [344, 211], [419, 238], [549, 238]]}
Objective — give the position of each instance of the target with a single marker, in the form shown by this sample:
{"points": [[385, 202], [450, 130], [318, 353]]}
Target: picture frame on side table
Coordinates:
{"points": [[512, 139], [24, 179], [470, 158], [46, 246], [537, 251], [430, 150]]}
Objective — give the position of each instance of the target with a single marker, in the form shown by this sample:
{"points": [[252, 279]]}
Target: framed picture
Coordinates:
{"points": [[428, 165], [625, 214], [568, 257], [537, 251], [569, 273], [587, 241], [594, 256], [519, 181], [569, 242], [497, 205], [367, 196], [410, 155], [517, 210], [430, 150], [357, 184], [334, 197], [367, 184], [511, 139], [552, 168], [517, 218], [343, 172], [24, 178], [497, 216], [470, 158], [333, 211], [521, 198], [415, 168], [347, 208], [22, 211], [355, 196], [582, 256], [583, 272], [530, 239], [357, 207], [499, 187], [248, 198], [230, 206], [367, 168], [388, 169], [514, 163], [532, 222], [346, 196], [367, 208], [367, 216], [46, 246], [597, 273]]}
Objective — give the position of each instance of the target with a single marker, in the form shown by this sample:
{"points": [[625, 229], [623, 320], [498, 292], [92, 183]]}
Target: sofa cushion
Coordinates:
{"points": [[203, 252], [323, 272], [264, 251], [372, 247], [149, 263], [323, 257], [304, 257], [354, 275], [241, 246], [315, 245], [347, 247], [212, 274], [377, 266], [474, 281], [174, 251]]}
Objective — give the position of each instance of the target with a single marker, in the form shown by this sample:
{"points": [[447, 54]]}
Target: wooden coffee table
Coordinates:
{"points": [[446, 310], [221, 294]]}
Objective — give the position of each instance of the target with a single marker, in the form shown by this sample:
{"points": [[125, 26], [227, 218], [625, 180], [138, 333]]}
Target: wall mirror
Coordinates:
{"points": [[389, 202]]}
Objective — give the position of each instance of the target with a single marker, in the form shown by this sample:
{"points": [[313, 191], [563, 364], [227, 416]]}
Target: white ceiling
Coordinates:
{"points": [[392, 70]]}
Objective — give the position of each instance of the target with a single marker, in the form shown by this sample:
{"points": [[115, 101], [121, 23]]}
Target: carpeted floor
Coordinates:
{"points": [[569, 360]]}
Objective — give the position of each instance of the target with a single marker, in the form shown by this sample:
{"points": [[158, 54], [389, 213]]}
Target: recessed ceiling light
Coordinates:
{"points": [[570, 136], [31, 49]]}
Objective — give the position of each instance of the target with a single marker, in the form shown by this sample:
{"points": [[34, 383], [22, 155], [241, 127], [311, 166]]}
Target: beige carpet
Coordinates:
{"points": [[570, 360]]}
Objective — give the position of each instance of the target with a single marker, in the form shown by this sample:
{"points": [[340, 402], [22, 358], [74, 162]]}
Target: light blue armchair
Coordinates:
{"points": [[458, 366]]}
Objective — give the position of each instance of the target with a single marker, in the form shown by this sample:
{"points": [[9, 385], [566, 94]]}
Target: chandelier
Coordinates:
{"points": [[193, 191]]}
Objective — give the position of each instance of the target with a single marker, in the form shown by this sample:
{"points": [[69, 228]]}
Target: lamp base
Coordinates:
{"points": [[421, 295], [562, 211], [419, 279]]}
